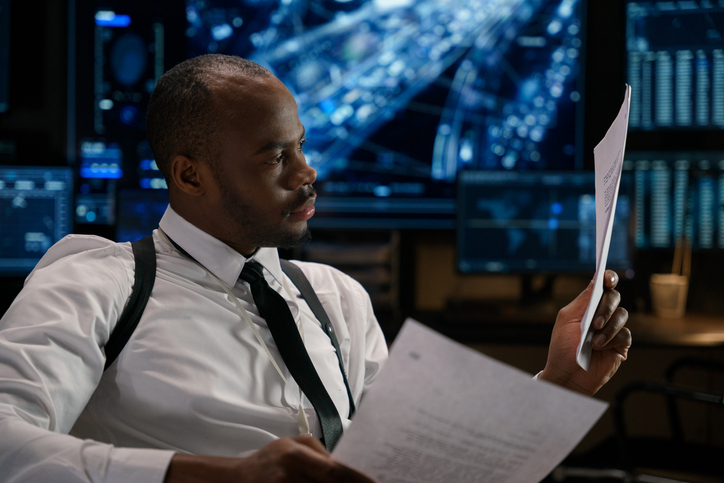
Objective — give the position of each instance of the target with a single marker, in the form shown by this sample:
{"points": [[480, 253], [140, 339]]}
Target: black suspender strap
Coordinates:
{"points": [[305, 288], [144, 254]]}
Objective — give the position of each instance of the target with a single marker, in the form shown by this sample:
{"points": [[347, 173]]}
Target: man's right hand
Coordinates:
{"points": [[300, 459]]}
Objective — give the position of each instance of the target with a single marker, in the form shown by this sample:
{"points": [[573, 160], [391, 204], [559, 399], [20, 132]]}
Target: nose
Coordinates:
{"points": [[303, 174]]}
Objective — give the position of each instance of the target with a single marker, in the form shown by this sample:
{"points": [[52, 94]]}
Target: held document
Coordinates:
{"points": [[608, 162], [440, 411]]}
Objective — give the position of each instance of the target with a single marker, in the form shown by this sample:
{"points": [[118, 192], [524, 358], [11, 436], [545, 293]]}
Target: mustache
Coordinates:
{"points": [[302, 196]]}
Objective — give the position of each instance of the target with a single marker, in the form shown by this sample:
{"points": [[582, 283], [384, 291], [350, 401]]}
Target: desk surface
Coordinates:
{"points": [[692, 330]]}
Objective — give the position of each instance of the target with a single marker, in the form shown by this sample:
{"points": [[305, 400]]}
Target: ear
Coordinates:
{"points": [[186, 175]]}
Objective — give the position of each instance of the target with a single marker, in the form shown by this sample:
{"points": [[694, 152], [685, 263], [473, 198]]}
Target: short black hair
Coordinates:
{"points": [[181, 118]]}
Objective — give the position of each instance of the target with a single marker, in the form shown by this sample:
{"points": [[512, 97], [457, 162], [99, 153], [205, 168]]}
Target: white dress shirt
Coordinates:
{"points": [[193, 378]]}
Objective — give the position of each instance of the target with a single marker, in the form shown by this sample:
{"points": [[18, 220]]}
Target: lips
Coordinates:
{"points": [[305, 212]]}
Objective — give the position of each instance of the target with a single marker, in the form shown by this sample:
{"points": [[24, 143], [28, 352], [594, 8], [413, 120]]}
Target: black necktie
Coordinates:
{"points": [[274, 309]]}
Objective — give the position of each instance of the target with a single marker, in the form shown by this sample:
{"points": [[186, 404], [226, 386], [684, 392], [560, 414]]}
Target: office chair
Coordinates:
{"points": [[691, 451]]}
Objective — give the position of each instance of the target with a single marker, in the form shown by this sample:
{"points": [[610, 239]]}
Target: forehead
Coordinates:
{"points": [[261, 108]]}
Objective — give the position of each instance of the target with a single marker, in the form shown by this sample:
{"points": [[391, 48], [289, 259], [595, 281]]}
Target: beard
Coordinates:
{"points": [[256, 229]]}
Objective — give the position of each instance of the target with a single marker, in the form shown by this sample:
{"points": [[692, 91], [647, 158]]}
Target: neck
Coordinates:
{"points": [[200, 218]]}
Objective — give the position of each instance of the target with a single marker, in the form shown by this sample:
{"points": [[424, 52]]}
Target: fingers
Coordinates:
{"points": [[613, 334], [610, 319], [312, 462], [606, 308], [286, 460], [610, 279], [312, 442], [621, 342], [573, 312]]}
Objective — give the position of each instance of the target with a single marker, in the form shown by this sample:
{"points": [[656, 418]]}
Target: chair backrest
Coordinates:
{"points": [[699, 374], [689, 410]]}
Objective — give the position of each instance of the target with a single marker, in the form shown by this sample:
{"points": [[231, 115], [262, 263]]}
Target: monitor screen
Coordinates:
{"points": [[4, 55], [119, 50], [535, 222], [35, 212], [678, 194], [139, 212], [675, 64], [396, 97]]}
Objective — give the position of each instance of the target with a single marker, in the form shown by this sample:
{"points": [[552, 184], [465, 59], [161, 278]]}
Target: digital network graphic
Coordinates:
{"points": [[471, 84]]}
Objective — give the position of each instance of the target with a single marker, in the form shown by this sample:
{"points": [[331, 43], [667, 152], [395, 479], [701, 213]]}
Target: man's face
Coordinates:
{"points": [[264, 194]]}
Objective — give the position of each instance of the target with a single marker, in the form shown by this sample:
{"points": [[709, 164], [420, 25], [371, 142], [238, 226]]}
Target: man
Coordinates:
{"points": [[200, 392]]}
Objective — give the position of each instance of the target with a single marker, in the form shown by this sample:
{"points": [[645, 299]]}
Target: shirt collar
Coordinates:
{"points": [[218, 257]]}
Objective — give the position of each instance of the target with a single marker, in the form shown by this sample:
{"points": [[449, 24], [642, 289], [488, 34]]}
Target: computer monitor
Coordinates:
{"points": [[396, 97], [139, 212], [35, 212], [117, 50], [4, 55], [675, 64], [532, 222], [399, 97], [677, 194]]}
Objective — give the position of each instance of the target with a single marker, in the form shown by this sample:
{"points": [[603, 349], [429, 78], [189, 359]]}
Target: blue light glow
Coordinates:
{"points": [[107, 18], [221, 32], [382, 191], [101, 171], [128, 115]]}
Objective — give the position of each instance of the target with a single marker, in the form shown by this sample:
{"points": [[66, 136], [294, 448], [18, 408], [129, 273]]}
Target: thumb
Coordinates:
{"points": [[580, 303]]}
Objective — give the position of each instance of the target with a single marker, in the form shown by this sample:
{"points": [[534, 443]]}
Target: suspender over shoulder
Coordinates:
{"points": [[305, 288], [145, 275], [144, 254]]}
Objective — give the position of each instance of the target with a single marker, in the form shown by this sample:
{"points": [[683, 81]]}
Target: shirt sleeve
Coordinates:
{"points": [[376, 351], [368, 340], [359, 334], [51, 360]]}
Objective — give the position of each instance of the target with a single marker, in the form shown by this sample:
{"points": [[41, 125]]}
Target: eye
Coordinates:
{"points": [[278, 159], [301, 144]]}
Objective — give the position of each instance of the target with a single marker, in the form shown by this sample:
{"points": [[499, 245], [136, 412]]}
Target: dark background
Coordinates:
{"points": [[33, 132]]}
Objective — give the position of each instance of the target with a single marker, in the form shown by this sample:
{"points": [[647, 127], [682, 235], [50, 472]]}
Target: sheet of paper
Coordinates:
{"points": [[608, 162], [440, 411]]}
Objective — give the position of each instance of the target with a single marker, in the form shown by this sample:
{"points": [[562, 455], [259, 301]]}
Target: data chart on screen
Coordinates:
{"points": [[35, 212], [535, 222], [675, 57], [677, 195]]}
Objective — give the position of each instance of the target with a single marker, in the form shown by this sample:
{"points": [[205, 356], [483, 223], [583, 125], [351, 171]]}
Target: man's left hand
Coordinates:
{"points": [[611, 341]]}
